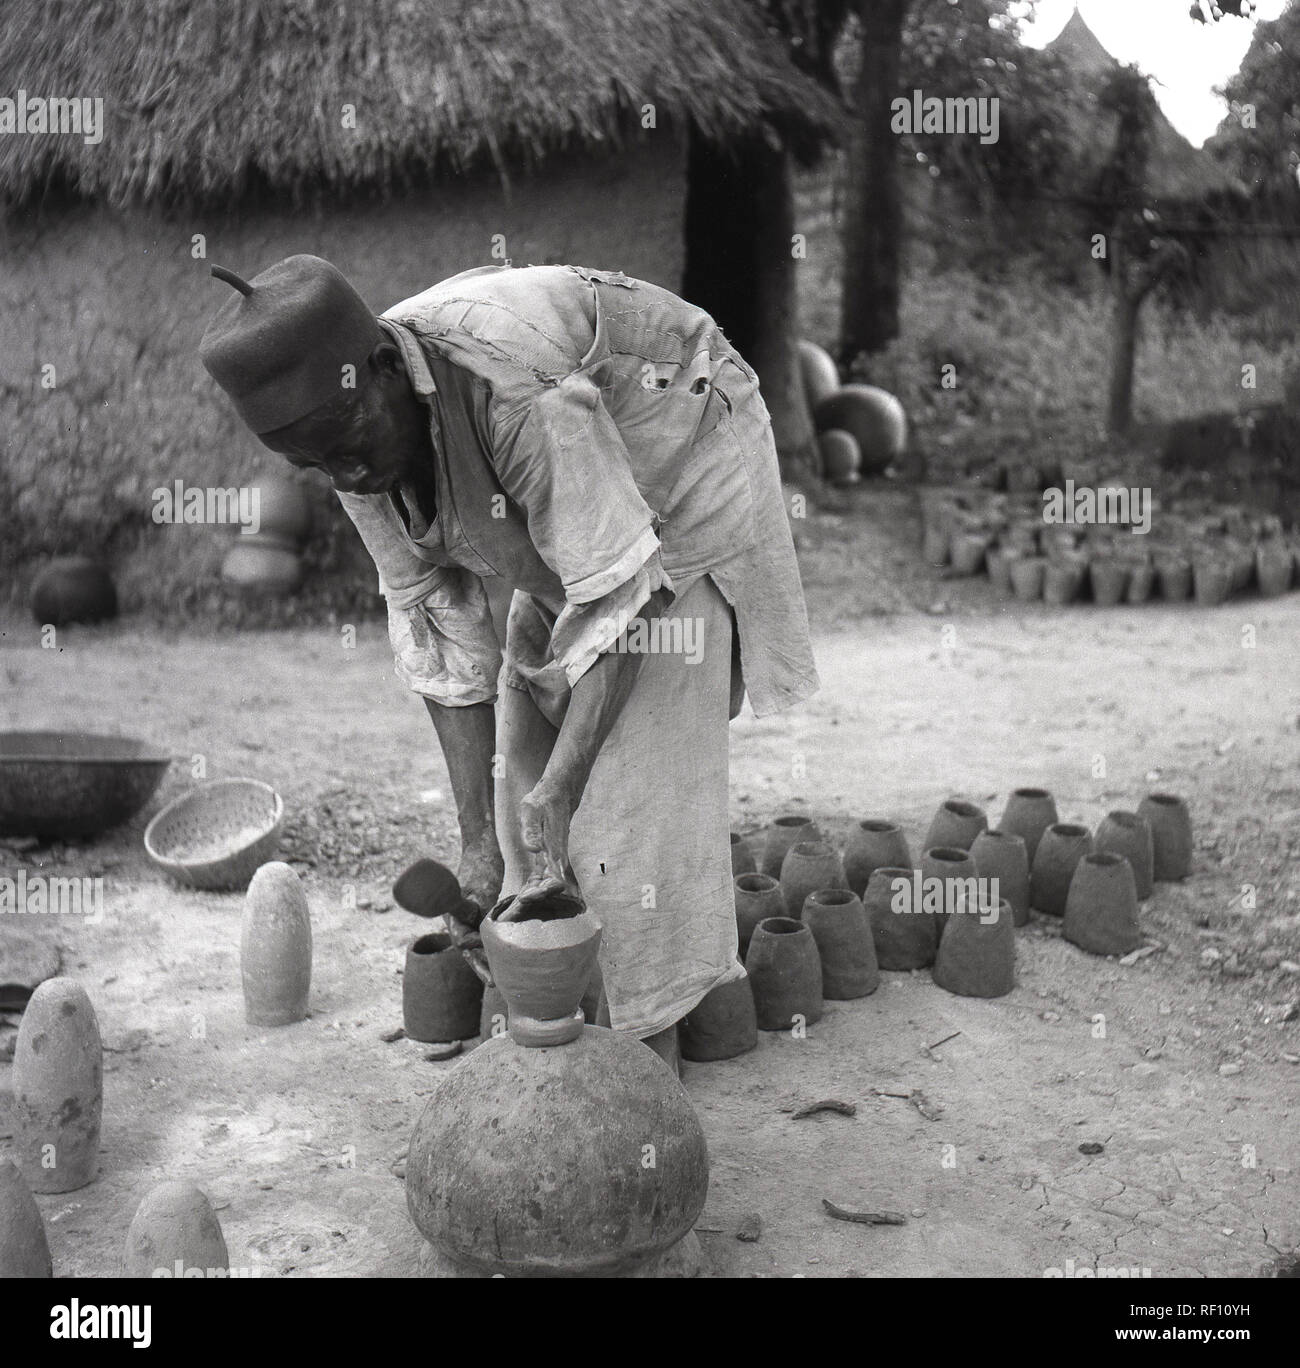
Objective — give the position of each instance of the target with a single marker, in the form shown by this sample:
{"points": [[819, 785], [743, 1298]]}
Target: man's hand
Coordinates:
{"points": [[545, 815]]}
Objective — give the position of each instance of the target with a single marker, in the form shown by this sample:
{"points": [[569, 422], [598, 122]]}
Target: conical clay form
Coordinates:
{"points": [[786, 973], [722, 1025], [742, 861], [977, 956], [839, 925], [58, 1081], [955, 825], [808, 866], [904, 939], [1004, 858], [275, 948], [1028, 813], [1101, 910], [947, 880], [441, 994], [24, 1250], [781, 835], [174, 1228], [1127, 834], [1063, 845], [1171, 835], [758, 896], [875, 844]]}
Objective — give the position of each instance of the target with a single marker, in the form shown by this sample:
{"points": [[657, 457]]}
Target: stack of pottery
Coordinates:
{"points": [[873, 417], [1101, 907], [785, 969], [977, 954], [905, 936], [1171, 835], [722, 1025], [267, 563], [442, 997], [1063, 845], [73, 589], [840, 927], [529, 1158]]}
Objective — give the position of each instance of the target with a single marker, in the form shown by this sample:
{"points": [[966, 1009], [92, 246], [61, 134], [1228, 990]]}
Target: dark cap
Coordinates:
{"points": [[279, 346]]}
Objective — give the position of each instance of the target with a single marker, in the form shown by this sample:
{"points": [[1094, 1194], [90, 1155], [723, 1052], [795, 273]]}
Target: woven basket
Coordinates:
{"points": [[217, 835]]}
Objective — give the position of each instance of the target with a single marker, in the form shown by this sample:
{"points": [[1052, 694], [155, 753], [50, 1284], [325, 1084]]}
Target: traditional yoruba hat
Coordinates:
{"points": [[278, 348]]}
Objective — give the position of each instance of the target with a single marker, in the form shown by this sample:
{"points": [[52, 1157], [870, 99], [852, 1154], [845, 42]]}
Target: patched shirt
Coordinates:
{"points": [[594, 437]]}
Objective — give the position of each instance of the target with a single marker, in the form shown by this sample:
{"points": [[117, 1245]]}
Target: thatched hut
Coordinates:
{"points": [[405, 140]]}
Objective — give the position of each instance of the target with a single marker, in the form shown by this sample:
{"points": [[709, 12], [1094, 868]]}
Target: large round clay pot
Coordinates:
{"points": [[785, 971], [818, 371], [742, 858], [873, 843], [1027, 577], [808, 866], [948, 880], [58, 1088], [1101, 908], [1028, 813], [175, 1228], [24, 1250], [841, 459], [1273, 568], [441, 994], [1127, 834], [758, 896], [1003, 856], [259, 566], [283, 508], [781, 835], [873, 416], [721, 1025], [73, 589], [839, 925], [543, 962], [1063, 845], [275, 948], [1109, 577], [1212, 580], [977, 955], [531, 1162], [1174, 576], [905, 937], [956, 824], [1171, 835]]}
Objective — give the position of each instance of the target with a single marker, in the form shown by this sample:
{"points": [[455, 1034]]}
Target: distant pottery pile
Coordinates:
{"points": [[861, 429], [1192, 550], [267, 563]]}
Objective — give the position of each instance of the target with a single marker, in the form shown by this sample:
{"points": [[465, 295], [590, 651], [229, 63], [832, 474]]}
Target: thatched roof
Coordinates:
{"points": [[208, 99]]}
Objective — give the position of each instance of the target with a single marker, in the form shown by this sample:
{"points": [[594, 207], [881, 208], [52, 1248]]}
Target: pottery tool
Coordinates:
{"points": [[430, 889]]}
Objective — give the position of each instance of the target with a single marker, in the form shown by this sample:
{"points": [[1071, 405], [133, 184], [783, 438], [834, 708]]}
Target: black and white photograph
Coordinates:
{"points": [[650, 639]]}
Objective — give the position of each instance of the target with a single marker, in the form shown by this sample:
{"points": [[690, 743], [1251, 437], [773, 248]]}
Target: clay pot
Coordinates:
{"points": [[1101, 909], [722, 1025], [874, 417], [966, 552], [1273, 564], [174, 1228], [998, 563], [494, 1013], [1063, 579], [275, 948], [839, 925], [785, 970], [874, 843], [58, 1087], [957, 823], [282, 507], [532, 1162], [261, 566], [1212, 578], [841, 458], [808, 866], [977, 955], [903, 939], [1241, 567], [1141, 581], [24, 1250], [742, 858], [1171, 835], [441, 995], [1028, 813], [1003, 856], [758, 896], [1062, 847], [1110, 579], [1174, 575], [781, 835], [73, 589], [818, 371], [936, 543], [1027, 577], [947, 864], [1127, 834]]}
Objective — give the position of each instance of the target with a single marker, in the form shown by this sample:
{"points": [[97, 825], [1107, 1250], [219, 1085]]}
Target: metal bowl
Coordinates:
{"points": [[73, 783], [217, 835]]}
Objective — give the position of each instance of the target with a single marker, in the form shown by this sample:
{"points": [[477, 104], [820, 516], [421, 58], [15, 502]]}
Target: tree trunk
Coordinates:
{"points": [[873, 209], [740, 267]]}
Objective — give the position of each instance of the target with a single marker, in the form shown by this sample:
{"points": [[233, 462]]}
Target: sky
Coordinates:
{"points": [[1187, 59]]}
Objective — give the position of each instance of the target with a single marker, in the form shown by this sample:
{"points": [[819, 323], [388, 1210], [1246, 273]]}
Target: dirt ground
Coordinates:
{"points": [[1185, 1066]]}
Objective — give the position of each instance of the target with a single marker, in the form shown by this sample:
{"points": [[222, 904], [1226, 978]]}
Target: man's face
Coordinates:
{"points": [[368, 440]]}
